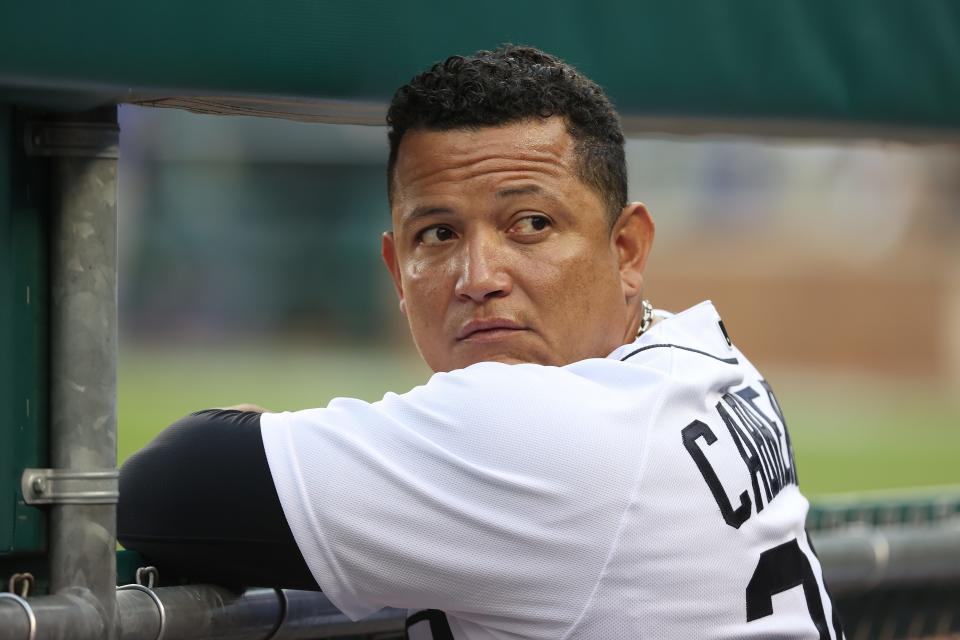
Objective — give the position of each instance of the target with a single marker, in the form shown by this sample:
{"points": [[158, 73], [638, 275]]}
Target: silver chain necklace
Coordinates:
{"points": [[647, 317]]}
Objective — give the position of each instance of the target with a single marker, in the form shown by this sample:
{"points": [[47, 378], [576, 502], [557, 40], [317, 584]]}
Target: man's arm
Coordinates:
{"points": [[199, 502]]}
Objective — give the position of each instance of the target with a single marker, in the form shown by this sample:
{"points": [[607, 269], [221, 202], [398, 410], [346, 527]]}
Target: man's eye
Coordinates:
{"points": [[435, 235], [530, 224]]}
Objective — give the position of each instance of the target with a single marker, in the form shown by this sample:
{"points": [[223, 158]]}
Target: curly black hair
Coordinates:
{"points": [[510, 84]]}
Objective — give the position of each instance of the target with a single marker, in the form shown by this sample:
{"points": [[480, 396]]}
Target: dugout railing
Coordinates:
{"points": [[892, 561], [897, 580], [792, 68]]}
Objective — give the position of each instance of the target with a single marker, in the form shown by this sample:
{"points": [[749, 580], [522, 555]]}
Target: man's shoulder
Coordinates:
{"points": [[528, 387]]}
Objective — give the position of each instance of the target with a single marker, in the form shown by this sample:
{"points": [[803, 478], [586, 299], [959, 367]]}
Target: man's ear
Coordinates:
{"points": [[388, 251], [632, 239]]}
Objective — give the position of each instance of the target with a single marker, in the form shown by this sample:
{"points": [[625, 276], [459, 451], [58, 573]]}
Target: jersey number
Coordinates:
{"points": [[784, 567]]}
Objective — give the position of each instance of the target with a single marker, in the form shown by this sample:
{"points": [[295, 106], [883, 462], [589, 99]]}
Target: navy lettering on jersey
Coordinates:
{"points": [[428, 624], [780, 568], [764, 446], [786, 434], [733, 517]]}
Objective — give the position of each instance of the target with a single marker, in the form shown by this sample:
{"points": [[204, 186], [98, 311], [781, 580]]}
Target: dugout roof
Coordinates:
{"points": [[751, 66]]}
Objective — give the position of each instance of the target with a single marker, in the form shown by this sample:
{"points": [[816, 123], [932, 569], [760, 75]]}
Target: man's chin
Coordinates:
{"points": [[473, 356], [509, 359], [524, 347]]}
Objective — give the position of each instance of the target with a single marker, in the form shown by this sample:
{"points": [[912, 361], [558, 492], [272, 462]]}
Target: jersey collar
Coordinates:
{"points": [[699, 327]]}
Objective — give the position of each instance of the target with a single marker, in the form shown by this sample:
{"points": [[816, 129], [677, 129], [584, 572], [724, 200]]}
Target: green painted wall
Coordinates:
{"points": [[8, 431], [22, 339]]}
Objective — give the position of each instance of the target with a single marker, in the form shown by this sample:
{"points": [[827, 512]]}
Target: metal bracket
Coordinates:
{"points": [[77, 139], [70, 486], [152, 576], [20, 583]]}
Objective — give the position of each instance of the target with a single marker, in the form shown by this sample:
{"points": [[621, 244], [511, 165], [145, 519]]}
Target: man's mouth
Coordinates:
{"points": [[488, 329]]}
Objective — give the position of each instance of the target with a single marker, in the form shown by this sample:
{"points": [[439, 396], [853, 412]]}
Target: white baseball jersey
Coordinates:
{"points": [[648, 494]]}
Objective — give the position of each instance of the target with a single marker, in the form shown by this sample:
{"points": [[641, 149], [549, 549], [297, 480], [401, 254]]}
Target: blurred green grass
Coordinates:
{"points": [[849, 434], [158, 384]]}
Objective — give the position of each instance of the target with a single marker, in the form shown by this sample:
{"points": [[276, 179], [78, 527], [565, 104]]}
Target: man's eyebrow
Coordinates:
{"points": [[530, 189], [424, 211]]}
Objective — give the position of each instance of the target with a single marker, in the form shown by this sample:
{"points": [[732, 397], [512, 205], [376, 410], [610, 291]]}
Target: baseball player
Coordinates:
{"points": [[579, 466]]}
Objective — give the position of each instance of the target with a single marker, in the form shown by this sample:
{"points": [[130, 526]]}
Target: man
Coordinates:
{"points": [[578, 467]]}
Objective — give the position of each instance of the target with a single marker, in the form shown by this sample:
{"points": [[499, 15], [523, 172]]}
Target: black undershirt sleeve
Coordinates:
{"points": [[199, 503]]}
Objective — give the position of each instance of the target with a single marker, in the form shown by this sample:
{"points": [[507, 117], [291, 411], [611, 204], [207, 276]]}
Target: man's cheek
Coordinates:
{"points": [[414, 269], [426, 308]]}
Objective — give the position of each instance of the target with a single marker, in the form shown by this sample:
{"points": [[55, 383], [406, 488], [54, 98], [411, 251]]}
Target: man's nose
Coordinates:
{"points": [[483, 272]]}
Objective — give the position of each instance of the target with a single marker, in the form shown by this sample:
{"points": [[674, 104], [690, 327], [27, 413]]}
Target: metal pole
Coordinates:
{"points": [[83, 346], [857, 560], [58, 617]]}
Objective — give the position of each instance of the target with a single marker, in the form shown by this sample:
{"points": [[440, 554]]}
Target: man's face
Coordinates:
{"points": [[501, 253]]}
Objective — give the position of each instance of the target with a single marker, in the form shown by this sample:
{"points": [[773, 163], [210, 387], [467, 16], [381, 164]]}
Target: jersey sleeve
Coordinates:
{"points": [[484, 492], [199, 501]]}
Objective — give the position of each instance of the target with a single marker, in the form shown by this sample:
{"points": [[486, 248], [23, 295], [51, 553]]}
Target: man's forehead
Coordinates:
{"points": [[530, 132], [429, 156]]}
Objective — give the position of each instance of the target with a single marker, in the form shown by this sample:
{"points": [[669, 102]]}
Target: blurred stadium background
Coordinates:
{"points": [[249, 267], [249, 272]]}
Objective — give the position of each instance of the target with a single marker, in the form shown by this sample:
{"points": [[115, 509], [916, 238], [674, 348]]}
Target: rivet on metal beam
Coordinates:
{"points": [[73, 139]]}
